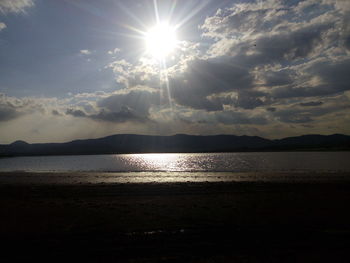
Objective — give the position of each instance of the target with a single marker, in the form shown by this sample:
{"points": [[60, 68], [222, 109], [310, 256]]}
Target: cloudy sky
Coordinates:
{"points": [[74, 69]]}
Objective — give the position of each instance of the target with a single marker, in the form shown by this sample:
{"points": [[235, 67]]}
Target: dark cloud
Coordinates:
{"points": [[290, 92], [56, 113], [204, 78], [334, 74], [125, 114], [260, 55], [138, 101], [208, 76], [311, 103], [294, 118], [8, 113], [232, 117], [275, 46], [278, 78], [287, 37], [131, 106], [334, 78], [247, 100], [11, 108], [76, 113], [308, 113], [282, 44], [270, 64], [282, 47], [347, 42], [226, 117]]}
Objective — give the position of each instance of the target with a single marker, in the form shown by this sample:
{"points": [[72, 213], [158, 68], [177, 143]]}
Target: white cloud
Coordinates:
{"points": [[2, 26], [85, 52], [14, 6], [114, 51]]}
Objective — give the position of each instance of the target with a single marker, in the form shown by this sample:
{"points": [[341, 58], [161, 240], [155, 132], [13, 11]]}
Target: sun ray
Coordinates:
{"points": [[167, 84], [140, 32], [160, 40], [134, 17], [156, 11], [192, 14], [172, 9]]}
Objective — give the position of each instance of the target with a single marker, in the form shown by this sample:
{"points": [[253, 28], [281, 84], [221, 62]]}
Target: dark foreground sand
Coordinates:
{"points": [[176, 222]]}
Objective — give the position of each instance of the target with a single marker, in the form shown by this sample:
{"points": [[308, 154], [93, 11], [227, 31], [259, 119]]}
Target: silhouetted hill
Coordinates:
{"points": [[131, 143], [19, 143], [314, 141]]}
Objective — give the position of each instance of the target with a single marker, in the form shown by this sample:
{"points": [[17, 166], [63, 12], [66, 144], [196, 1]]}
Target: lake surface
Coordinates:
{"points": [[185, 162]]}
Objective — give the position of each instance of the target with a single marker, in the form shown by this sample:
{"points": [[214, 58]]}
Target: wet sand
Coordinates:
{"points": [[301, 221]]}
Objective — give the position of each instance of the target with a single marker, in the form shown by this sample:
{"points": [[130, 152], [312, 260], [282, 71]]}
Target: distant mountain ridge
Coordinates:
{"points": [[132, 143]]}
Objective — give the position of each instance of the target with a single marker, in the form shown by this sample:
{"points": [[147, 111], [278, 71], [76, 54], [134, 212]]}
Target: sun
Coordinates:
{"points": [[161, 40]]}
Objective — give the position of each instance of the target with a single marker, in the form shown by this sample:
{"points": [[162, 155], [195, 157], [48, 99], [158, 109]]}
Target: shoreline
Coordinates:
{"points": [[110, 178], [259, 221]]}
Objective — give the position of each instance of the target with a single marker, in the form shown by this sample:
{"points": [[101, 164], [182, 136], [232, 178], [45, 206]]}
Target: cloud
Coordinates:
{"points": [[334, 75], [260, 63], [311, 111], [8, 113], [114, 51], [12, 108], [287, 49], [276, 32], [272, 53], [125, 114], [227, 117], [9, 108], [56, 113], [247, 100], [133, 105], [243, 19], [14, 6], [311, 103], [203, 78], [76, 113], [139, 101], [278, 78], [284, 46], [233, 117], [271, 109], [143, 73], [85, 52], [293, 117], [2, 26], [330, 77], [272, 68]]}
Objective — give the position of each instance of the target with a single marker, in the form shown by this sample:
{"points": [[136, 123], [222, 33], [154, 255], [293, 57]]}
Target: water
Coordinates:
{"points": [[184, 162], [183, 166]]}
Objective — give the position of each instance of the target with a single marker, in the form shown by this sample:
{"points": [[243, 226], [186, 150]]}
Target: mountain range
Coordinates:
{"points": [[131, 143]]}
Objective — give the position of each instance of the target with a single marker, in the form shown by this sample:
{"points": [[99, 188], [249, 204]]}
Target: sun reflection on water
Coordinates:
{"points": [[164, 162]]}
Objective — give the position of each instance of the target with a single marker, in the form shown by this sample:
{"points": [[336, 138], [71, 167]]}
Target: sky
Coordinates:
{"points": [[77, 69]]}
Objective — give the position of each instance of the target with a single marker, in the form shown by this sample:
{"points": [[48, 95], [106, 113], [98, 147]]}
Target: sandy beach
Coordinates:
{"points": [[302, 221]]}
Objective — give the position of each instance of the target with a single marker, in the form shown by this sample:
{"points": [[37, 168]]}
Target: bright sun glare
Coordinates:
{"points": [[161, 40]]}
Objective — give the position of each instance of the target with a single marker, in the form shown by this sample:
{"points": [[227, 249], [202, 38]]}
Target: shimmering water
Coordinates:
{"points": [[183, 162]]}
